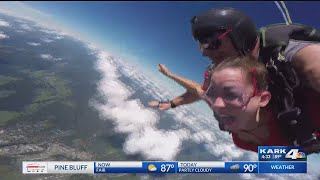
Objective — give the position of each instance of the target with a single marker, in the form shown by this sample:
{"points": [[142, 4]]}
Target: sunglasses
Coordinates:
{"points": [[230, 98], [211, 41], [236, 97]]}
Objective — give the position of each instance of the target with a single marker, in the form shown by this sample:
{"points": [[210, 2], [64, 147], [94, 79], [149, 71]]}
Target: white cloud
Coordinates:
{"points": [[19, 9], [138, 121], [46, 56], [47, 40], [132, 118], [26, 27], [49, 57], [4, 23], [154, 144], [58, 37], [20, 21], [48, 31], [33, 44], [19, 31], [43, 20], [203, 136], [3, 36]]}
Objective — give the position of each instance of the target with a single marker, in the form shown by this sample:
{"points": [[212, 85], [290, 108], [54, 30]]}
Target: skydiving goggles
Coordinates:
{"points": [[211, 41], [236, 96]]}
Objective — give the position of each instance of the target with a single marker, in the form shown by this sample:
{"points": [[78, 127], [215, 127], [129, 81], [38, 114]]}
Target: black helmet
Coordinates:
{"points": [[243, 32]]}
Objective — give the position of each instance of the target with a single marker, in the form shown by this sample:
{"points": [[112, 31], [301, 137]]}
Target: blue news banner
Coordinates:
{"points": [[272, 159], [176, 167]]}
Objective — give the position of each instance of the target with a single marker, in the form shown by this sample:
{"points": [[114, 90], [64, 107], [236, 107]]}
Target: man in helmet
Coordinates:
{"points": [[220, 33]]}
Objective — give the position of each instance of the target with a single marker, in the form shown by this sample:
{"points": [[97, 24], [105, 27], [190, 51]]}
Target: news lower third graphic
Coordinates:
{"points": [[282, 159], [272, 159]]}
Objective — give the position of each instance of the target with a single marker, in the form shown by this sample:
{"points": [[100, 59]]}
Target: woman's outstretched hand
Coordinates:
{"points": [[163, 69]]}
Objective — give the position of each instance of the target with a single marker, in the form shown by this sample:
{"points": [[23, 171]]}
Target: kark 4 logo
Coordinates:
{"points": [[295, 154]]}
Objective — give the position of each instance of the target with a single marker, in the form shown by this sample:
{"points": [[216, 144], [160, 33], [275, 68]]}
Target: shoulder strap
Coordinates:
{"points": [[275, 37]]}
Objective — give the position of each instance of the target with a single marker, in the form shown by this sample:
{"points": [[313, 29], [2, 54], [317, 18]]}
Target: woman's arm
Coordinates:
{"points": [[191, 86], [186, 98], [193, 94]]}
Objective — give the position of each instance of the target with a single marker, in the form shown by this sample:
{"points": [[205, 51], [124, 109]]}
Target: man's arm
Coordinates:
{"points": [[307, 62]]}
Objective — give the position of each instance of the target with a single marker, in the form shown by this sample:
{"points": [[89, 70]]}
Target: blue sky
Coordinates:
{"points": [[159, 32]]}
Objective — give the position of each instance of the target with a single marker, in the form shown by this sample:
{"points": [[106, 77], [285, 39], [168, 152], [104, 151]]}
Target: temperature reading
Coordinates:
{"points": [[249, 167], [166, 167]]}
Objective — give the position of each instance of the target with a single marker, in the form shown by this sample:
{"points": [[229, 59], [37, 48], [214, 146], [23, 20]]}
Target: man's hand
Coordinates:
{"points": [[160, 105]]}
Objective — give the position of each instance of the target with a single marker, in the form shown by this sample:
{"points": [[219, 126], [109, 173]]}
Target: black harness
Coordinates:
{"points": [[287, 86]]}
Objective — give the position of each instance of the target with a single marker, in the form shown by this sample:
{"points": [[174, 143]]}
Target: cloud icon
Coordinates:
{"points": [[235, 167], [152, 168]]}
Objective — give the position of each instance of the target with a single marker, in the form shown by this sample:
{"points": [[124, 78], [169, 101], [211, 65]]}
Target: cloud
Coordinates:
{"points": [[204, 135], [4, 23], [59, 34], [58, 37], [47, 40], [132, 118], [43, 20], [33, 44], [154, 143], [235, 167], [21, 10], [200, 128], [20, 21], [49, 57], [19, 31], [3, 36], [93, 49], [26, 27], [48, 31], [46, 56]]}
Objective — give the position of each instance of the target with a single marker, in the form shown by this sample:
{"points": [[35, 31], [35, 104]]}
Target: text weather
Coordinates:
{"points": [[283, 167]]}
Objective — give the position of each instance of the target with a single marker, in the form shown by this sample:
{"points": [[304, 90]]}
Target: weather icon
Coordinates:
{"points": [[235, 167], [152, 168]]}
